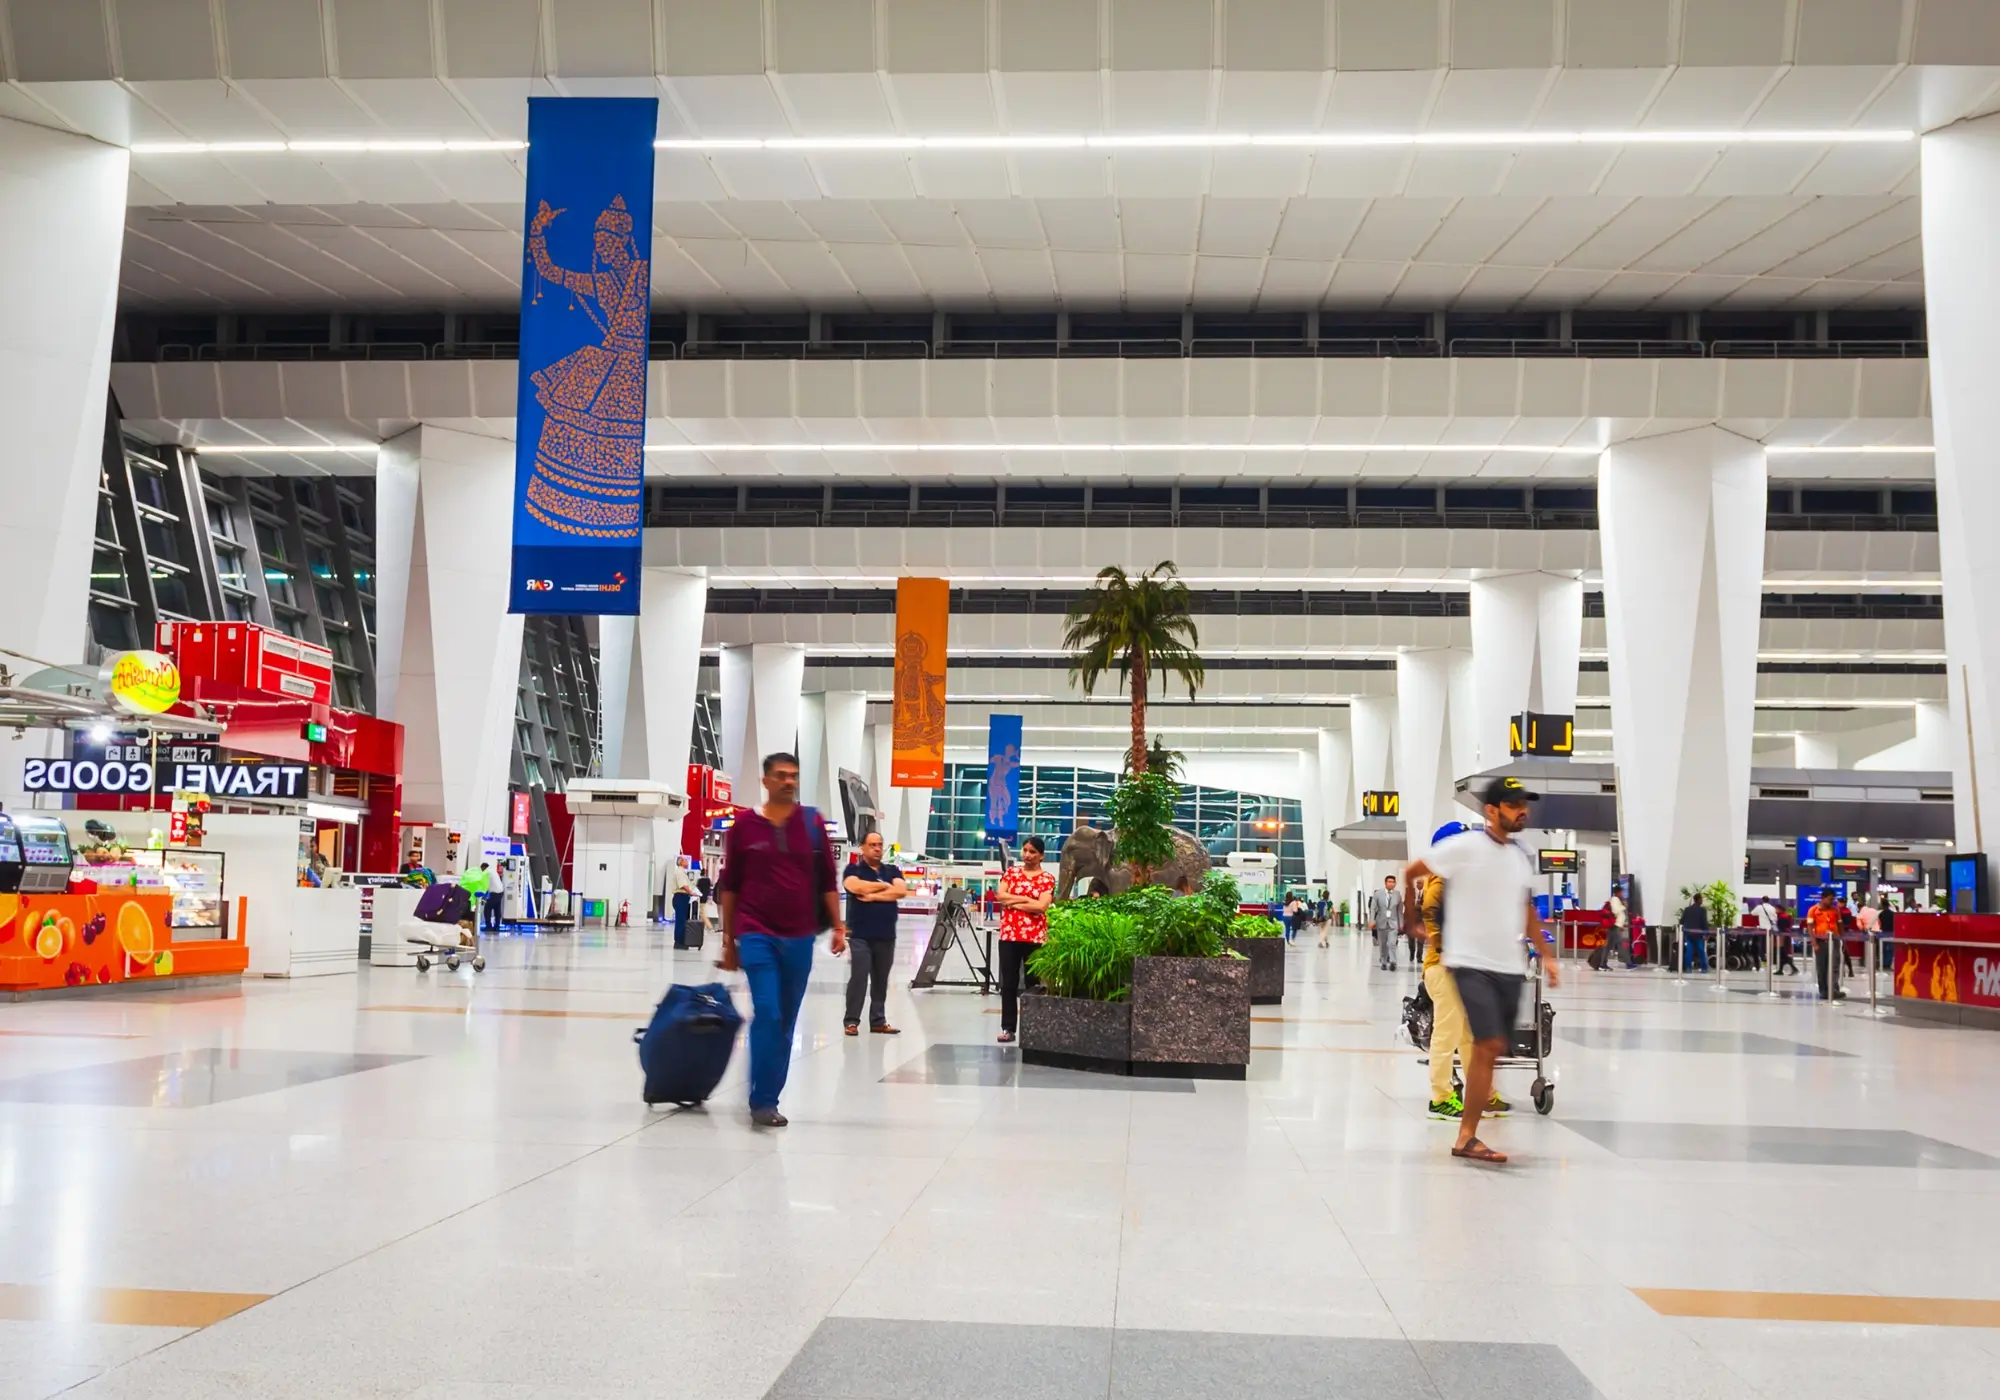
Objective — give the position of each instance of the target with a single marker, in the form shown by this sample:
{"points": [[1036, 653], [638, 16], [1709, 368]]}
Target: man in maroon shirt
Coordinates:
{"points": [[779, 888]]}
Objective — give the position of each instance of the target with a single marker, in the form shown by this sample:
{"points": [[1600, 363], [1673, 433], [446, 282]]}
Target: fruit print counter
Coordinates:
{"points": [[74, 940]]}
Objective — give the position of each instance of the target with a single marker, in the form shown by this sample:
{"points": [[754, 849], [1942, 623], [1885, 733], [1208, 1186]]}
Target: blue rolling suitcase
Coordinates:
{"points": [[686, 1049]]}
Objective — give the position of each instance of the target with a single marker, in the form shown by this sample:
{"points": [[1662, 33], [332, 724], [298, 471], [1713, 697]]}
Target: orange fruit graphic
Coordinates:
{"points": [[135, 930], [67, 928], [48, 941]]}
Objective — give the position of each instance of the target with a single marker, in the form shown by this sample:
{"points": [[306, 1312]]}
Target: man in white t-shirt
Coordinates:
{"points": [[1490, 912]]}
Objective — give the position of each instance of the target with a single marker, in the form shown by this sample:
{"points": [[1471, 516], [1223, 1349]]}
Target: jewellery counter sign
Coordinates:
{"points": [[125, 766]]}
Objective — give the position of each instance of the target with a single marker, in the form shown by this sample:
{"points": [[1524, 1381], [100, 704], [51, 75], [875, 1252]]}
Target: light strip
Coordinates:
{"points": [[406, 148], [1162, 141], [991, 449], [1297, 140], [1872, 450], [269, 449]]}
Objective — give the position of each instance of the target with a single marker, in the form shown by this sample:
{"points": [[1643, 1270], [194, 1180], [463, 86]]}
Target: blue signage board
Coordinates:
{"points": [[1003, 775], [586, 292]]}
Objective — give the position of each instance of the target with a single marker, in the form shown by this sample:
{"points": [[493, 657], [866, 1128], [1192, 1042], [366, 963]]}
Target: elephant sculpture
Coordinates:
{"points": [[1087, 856]]}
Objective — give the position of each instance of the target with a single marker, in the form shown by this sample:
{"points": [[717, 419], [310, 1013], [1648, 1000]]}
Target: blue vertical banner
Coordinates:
{"points": [[1003, 775], [586, 296]]}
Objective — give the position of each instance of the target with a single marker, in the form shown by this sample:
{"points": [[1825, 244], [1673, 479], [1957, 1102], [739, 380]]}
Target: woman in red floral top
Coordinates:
{"points": [[1025, 893]]}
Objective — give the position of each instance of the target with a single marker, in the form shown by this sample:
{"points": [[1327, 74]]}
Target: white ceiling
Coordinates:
{"points": [[1796, 226]]}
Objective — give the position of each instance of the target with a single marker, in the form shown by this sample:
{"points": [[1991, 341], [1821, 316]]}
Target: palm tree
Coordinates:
{"points": [[1168, 763], [1141, 627]]}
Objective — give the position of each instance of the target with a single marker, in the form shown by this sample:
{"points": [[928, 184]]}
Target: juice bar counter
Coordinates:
{"points": [[1947, 967], [50, 938]]}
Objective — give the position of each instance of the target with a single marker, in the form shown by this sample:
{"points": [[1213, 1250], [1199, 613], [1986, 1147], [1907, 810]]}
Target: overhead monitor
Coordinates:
{"points": [[1902, 872], [1559, 862]]}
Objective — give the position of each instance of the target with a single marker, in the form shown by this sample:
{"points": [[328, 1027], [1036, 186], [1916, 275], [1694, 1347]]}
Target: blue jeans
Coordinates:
{"points": [[1694, 949], [777, 969], [681, 919]]}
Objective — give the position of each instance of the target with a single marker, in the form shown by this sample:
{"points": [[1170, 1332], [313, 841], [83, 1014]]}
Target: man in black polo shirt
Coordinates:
{"points": [[873, 886]]}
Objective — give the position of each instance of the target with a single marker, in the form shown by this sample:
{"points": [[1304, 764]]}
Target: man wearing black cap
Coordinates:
{"points": [[1490, 912]]}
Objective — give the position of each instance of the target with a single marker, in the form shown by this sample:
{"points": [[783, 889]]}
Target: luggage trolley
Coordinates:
{"points": [[1530, 1048]]}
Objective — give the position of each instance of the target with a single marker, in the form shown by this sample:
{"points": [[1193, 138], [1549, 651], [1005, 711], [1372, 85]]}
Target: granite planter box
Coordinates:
{"points": [[1076, 1033], [1187, 1018], [1191, 1017], [1267, 967]]}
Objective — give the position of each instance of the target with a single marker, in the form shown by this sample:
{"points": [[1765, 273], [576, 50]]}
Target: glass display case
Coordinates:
{"points": [[192, 877]]}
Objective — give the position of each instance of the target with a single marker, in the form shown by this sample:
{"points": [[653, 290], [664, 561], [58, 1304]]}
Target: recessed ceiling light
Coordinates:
{"points": [[385, 147], [1879, 449]]}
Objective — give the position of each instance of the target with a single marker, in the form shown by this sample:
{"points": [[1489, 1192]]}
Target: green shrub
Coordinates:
{"points": [[1255, 926], [1220, 889], [1184, 928], [1142, 814], [1089, 951]]}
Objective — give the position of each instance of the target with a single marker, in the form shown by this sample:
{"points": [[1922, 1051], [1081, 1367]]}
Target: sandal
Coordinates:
{"points": [[1477, 1151]]}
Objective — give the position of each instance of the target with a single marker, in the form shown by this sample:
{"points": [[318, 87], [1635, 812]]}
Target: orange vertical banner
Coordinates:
{"points": [[923, 613]]}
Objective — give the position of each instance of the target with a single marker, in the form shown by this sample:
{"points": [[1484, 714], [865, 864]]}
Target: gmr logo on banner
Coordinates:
{"points": [[541, 585]]}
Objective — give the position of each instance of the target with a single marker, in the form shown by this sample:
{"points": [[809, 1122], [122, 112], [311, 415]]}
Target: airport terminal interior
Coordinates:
{"points": [[1169, 486]]}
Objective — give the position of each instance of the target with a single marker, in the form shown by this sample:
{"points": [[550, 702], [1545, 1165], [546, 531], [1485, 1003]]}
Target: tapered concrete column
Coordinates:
{"points": [[1337, 808], [1312, 816], [812, 750], [916, 820], [1682, 518], [888, 800], [1372, 752], [1527, 632], [761, 686], [1434, 737], [62, 232], [846, 714], [1961, 210], [648, 669], [448, 652]]}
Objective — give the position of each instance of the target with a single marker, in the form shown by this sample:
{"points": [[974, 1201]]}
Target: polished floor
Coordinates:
{"points": [[444, 1186]]}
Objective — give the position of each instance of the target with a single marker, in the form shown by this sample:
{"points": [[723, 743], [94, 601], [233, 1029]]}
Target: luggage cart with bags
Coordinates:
{"points": [[446, 904], [1530, 1048]]}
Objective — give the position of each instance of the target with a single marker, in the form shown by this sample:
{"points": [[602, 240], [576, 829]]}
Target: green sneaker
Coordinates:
{"points": [[1497, 1107], [1451, 1108]]}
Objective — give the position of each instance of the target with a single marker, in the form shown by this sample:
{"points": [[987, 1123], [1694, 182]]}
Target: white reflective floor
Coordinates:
{"points": [[444, 1185]]}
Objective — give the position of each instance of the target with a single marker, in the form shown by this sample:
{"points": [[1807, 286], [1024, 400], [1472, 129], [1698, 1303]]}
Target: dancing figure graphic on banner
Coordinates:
{"points": [[589, 460], [919, 713], [999, 791]]}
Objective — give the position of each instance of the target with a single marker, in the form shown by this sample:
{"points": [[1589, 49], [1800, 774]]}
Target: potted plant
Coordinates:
{"points": [[1139, 983], [1259, 939]]}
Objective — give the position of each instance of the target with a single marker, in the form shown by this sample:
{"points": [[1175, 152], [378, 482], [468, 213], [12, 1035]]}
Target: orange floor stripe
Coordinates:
{"points": [[1822, 1307], [640, 1014], [131, 1307]]}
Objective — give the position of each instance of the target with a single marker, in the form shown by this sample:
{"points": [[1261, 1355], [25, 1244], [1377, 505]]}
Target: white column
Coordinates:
{"points": [[1815, 751], [672, 606], [1372, 729], [1434, 737], [1312, 817], [621, 703], [846, 715], [62, 230], [1337, 808], [916, 819], [1961, 209], [1527, 632], [761, 686], [812, 750], [1682, 519], [888, 800], [448, 651]]}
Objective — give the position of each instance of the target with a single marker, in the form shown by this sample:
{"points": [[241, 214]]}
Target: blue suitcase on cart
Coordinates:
{"points": [[686, 1049]]}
